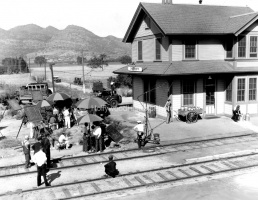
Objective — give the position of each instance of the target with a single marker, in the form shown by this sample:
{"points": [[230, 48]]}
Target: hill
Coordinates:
{"points": [[64, 45]]}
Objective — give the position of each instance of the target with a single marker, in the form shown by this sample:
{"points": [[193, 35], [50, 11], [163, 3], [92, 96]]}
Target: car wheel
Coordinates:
{"points": [[113, 103]]}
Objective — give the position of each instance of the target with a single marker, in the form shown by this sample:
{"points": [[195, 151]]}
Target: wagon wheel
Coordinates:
{"points": [[191, 117]]}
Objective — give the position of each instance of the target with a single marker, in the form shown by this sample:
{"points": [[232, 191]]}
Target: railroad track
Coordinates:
{"points": [[91, 159], [173, 175]]}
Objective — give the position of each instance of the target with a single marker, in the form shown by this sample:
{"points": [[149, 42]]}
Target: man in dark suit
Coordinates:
{"points": [[46, 148], [110, 167]]}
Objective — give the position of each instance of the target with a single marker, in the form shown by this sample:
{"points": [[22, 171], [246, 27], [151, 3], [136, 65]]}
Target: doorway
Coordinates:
{"points": [[210, 96]]}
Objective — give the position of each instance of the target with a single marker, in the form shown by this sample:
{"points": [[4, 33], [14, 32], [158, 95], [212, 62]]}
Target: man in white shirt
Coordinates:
{"points": [[40, 160], [64, 140], [98, 137], [67, 118], [140, 128]]}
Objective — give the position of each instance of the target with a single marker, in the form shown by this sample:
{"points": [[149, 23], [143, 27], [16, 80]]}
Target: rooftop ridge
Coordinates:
{"points": [[243, 14]]}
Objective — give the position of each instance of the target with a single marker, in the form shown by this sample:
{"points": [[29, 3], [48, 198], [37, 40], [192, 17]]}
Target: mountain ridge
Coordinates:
{"points": [[31, 40]]}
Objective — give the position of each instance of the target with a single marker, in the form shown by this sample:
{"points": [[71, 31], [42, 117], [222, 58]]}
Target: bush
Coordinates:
{"points": [[121, 80], [124, 91]]}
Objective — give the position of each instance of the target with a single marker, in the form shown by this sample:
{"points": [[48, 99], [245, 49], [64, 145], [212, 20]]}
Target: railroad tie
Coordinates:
{"points": [[61, 164], [26, 169], [84, 160], [162, 176], [66, 192], [80, 189], [209, 169], [148, 178], [173, 174], [103, 157], [184, 172], [94, 160], [140, 180], [52, 194], [96, 187], [127, 182], [125, 155], [7, 171], [217, 167], [228, 165], [196, 170]]}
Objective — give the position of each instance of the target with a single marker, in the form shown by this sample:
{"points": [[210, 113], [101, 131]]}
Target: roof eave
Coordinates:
{"points": [[243, 28]]}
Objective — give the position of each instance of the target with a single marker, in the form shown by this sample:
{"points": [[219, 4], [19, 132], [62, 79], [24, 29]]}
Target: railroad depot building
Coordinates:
{"points": [[203, 55]]}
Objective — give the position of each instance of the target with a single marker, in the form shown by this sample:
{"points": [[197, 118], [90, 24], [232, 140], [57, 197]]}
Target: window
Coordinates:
{"points": [[140, 50], [252, 89], [147, 23], [229, 92], [188, 91], [241, 47], [253, 46], [149, 91], [190, 50], [229, 49], [241, 89], [158, 49]]}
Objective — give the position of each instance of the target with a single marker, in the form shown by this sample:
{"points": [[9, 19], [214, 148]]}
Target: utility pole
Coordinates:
{"points": [[83, 82], [52, 75], [45, 68], [29, 67]]}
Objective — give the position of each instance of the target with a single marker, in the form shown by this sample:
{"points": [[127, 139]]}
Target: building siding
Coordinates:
{"points": [[176, 87], [148, 50], [228, 109], [177, 50], [137, 88], [146, 32], [161, 92], [210, 49], [252, 108], [134, 51], [220, 96]]}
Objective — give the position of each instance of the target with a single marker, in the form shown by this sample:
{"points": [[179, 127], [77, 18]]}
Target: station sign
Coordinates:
{"points": [[135, 69]]}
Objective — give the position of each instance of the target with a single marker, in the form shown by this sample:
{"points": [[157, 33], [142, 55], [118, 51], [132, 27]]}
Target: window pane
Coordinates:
{"points": [[253, 46], [140, 50], [158, 49], [252, 89], [190, 51], [188, 91], [241, 47], [241, 89]]}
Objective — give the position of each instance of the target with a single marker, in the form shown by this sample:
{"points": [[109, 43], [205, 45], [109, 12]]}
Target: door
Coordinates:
{"points": [[210, 96]]}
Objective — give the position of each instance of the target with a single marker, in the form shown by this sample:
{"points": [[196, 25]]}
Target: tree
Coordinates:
{"points": [[40, 60], [125, 59], [79, 60], [15, 65], [100, 61]]}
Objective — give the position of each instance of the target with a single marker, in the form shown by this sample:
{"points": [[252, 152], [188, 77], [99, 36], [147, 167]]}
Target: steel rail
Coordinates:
{"points": [[144, 171]]}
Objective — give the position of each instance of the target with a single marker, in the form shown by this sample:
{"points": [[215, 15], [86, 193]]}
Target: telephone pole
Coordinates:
{"points": [[45, 68], [83, 82]]}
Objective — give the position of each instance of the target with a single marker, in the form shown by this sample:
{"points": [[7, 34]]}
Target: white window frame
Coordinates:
{"points": [[246, 46], [155, 53], [196, 51], [249, 42]]}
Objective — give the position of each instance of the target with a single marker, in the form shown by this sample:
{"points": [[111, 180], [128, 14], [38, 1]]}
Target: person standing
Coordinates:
{"points": [[40, 160], [86, 138], [46, 149], [36, 146], [110, 167], [66, 114], [26, 151], [98, 138], [168, 110], [140, 128]]}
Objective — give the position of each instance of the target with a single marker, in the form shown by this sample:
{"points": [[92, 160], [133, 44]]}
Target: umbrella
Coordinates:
{"points": [[43, 103], [91, 102], [58, 96], [88, 118]]}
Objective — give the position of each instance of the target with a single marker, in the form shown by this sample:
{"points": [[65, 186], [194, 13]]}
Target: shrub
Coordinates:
{"points": [[124, 91]]}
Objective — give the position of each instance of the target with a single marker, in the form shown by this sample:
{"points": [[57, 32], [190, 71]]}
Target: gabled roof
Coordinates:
{"points": [[186, 68], [183, 19]]}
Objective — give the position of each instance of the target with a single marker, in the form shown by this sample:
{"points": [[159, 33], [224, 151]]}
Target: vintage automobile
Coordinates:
{"points": [[57, 79], [77, 81]]}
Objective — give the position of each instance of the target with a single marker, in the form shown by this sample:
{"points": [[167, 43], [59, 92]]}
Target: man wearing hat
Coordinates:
{"points": [[110, 167], [26, 151], [139, 128], [168, 110]]}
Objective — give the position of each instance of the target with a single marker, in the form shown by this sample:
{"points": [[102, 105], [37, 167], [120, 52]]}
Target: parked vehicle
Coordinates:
{"points": [[77, 81], [26, 93], [57, 79]]}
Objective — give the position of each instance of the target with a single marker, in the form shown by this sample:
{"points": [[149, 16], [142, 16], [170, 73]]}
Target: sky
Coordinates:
{"points": [[102, 17]]}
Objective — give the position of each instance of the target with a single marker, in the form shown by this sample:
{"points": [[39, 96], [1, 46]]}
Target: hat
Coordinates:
{"points": [[110, 157], [168, 99], [26, 137], [139, 121]]}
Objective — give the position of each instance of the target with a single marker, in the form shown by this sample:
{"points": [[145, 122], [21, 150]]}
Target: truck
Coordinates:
{"points": [[33, 92], [110, 96]]}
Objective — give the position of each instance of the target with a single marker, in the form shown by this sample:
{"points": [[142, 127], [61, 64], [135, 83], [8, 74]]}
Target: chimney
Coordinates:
{"points": [[167, 2], [200, 1]]}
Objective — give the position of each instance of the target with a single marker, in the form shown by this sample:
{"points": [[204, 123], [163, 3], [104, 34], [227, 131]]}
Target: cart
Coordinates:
{"points": [[191, 113]]}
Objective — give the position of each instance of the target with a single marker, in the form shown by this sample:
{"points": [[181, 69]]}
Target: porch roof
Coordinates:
{"points": [[179, 68]]}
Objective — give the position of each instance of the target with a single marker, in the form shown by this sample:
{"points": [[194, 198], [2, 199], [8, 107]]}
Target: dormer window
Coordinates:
{"points": [[253, 46], [242, 47], [190, 49]]}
